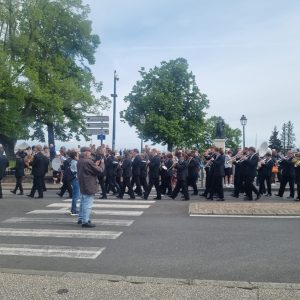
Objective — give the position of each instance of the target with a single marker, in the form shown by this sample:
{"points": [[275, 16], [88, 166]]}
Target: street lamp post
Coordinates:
{"points": [[243, 123], [114, 95], [143, 120]]}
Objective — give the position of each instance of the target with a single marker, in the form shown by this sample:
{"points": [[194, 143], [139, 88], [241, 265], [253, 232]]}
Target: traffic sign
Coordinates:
{"points": [[101, 137], [97, 131], [97, 125], [97, 119]]}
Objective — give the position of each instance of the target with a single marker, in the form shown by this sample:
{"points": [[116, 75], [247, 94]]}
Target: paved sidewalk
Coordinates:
{"points": [[245, 208], [23, 285]]}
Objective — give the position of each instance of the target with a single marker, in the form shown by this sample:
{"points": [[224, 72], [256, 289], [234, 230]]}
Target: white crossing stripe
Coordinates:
{"points": [[63, 221], [117, 201], [112, 235], [63, 211], [103, 205], [117, 213], [50, 251]]}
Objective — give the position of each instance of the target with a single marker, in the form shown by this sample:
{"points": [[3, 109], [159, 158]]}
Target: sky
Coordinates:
{"points": [[244, 54]]}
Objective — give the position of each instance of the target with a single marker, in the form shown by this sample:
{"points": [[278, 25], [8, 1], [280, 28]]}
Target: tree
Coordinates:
{"points": [[170, 100], [232, 135], [283, 137], [290, 136], [274, 141], [48, 47]]}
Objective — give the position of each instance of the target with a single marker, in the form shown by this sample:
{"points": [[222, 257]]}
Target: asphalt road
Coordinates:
{"points": [[163, 242]]}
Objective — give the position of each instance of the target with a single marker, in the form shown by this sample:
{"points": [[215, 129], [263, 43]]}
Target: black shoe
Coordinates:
{"points": [[246, 198], [278, 195], [59, 194], [258, 196], [203, 194], [13, 192], [103, 197], [21, 193], [39, 197], [185, 199], [79, 222], [157, 198], [30, 196], [297, 199], [289, 197], [88, 225]]}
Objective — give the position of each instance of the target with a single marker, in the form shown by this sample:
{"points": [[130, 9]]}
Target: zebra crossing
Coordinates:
{"points": [[52, 215]]}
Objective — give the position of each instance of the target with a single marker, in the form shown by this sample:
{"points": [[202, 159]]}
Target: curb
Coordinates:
{"points": [[156, 280]]}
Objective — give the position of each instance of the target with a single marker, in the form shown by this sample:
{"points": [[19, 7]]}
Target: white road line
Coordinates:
{"points": [[50, 251], [63, 211], [104, 205], [245, 216], [117, 213], [83, 234], [63, 221], [118, 201]]}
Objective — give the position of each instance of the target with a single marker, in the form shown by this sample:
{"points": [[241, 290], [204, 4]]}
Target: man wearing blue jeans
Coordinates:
{"points": [[87, 176]]}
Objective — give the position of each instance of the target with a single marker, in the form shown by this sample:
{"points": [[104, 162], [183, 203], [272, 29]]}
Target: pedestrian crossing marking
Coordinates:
{"points": [[63, 211], [103, 205], [63, 221], [117, 201], [50, 251], [60, 233]]}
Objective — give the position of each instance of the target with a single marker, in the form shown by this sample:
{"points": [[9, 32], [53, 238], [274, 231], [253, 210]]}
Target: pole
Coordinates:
{"points": [[114, 95], [243, 136]]}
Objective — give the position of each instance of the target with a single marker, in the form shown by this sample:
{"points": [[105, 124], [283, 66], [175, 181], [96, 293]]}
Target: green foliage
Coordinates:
{"points": [[290, 135], [46, 47], [274, 141], [170, 100]]}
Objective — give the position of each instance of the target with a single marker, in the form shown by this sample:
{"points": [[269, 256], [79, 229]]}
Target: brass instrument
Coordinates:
{"points": [[296, 160]]}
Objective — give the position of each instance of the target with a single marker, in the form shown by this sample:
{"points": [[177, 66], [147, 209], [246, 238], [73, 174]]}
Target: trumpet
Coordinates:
{"points": [[296, 161]]}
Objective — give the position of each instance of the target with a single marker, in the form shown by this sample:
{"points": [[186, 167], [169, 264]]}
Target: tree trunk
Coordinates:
{"points": [[50, 134], [170, 147], [9, 146]]}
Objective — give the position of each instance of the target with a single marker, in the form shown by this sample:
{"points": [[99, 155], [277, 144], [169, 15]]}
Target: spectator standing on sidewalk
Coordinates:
{"points": [[88, 172], [3, 165]]}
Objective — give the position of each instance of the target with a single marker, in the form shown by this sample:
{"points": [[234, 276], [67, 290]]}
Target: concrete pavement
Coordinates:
{"points": [[20, 284]]}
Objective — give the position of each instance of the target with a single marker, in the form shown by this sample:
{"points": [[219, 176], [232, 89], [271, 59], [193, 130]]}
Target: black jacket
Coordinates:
{"points": [[143, 168], [251, 165], [126, 167], [136, 168], [287, 167], [218, 166], [20, 166], [3, 165], [193, 168], [154, 167], [39, 165], [182, 169]]}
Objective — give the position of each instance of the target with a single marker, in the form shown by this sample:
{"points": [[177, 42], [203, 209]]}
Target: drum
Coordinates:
{"points": [[56, 163]]}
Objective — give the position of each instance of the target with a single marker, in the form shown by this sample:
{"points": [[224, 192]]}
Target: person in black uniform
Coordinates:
{"points": [[166, 175], [287, 175], [127, 173], [182, 174], [143, 172], [297, 175], [4, 163], [39, 168], [217, 175], [154, 166], [100, 156], [19, 172], [193, 172], [238, 171], [111, 165], [265, 174], [209, 157], [136, 172], [250, 172]]}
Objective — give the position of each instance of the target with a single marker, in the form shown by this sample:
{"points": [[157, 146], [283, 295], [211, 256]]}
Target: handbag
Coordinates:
{"points": [[275, 169]]}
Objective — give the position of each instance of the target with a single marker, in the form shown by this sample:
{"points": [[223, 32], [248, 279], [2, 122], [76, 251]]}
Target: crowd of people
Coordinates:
{"points": [[82, 171]]}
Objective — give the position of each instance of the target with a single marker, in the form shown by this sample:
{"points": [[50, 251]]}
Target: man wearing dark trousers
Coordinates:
{"points": [[39, 165], [136, 172], [193, 172], [265, 169], [218, 173], [287, 175], [127, 173], [182, 174], [3, 165], [250, 172], [154, 166]]}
